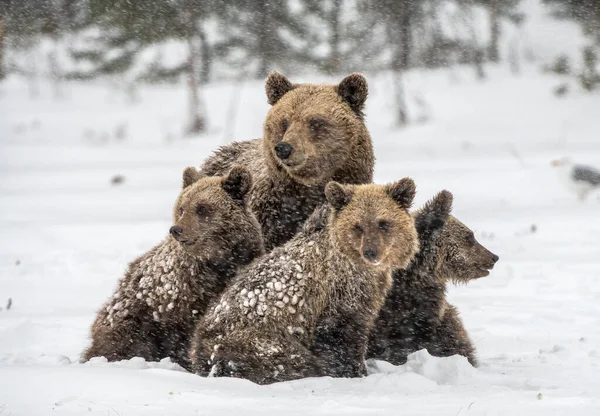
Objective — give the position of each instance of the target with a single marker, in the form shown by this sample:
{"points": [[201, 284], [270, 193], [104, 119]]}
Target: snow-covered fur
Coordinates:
{"points": [[335, 274], [312, 134], [155, 306], [416, 313]]}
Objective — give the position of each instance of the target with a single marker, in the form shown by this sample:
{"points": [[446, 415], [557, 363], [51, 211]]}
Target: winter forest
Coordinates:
{"points": [[112, 117], [165, 42]]}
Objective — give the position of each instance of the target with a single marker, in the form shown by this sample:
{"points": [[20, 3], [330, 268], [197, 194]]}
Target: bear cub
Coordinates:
{"points": [[313, 134], [335, 273], [156, 304], [416, 314]]}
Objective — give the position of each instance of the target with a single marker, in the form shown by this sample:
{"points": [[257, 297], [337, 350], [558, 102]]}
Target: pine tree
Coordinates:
{"points": [[341, 37], [585, 12], [263, 35], [128, 28], [497, 10], [399, 18], [4, 4], [24, 22]]}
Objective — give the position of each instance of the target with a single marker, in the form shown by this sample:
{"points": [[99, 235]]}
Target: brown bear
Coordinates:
{"points": [[334, 273], [155, 306], [416, 313], [312, 134]]}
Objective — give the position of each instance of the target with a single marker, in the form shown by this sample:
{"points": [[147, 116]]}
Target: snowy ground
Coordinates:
{"points": [[67, 234]]}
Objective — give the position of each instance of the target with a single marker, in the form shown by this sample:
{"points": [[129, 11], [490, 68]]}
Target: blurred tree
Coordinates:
{"points": [[399, 18], [589, 77], [585, 12], [476, 51], [263, 35], [334, 17], [120, 29], [497, 10], [340, 37], [329, 14], [127, 28], [4, 4], [24, 22]]}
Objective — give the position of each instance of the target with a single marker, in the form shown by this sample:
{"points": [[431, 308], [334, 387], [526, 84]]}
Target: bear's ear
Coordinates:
{"points": [[237, 183], [354, 90], [190, 176], [276, 86], [434, 214], [338, 195], [403, 192]]}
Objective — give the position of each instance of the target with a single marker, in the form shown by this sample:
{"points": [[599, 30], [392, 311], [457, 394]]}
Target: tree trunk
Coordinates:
{"points": [[336, 59], [263, 39], [493, 50], [477, 52], [232, 111], [2, 37], [206, 57], [513, 56], [197, 123], [478, 58], [400, 98], [53, 62], [398, 71], [401, 62], [405, 35]]}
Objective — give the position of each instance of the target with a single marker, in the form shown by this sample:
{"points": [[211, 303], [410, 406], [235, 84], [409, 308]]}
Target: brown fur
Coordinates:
{"points": [[155, 306], [263, 327], [416, 314], [324, 126]]}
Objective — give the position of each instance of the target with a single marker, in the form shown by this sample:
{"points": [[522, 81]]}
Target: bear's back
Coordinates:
{"points": [[246, 153]]}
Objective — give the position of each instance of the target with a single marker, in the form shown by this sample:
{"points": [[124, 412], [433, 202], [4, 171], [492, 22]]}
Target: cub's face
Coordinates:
{"points": [[210, 211], [372, 225], [310, 129], [462, 257]]}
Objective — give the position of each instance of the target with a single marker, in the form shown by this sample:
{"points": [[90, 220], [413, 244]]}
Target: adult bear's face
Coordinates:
{"points": [[310, 131]]}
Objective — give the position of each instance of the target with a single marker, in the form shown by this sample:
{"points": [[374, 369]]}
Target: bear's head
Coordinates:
{"points": [[430, 221], [211, 218], [316, 133], [462, 257], [371, 223]]}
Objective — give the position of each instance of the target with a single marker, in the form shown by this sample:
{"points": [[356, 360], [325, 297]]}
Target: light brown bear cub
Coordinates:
{"points": [[155, 306], [313, 134], [336, 271], [416, 314]]}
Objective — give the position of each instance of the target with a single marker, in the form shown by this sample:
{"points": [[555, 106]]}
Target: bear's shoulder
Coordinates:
{"points": [[318, 220]]}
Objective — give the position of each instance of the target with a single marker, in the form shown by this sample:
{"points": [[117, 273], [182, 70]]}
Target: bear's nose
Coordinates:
{"points": [[283, 150], [495, 258], [370, 254], [176, 231]]}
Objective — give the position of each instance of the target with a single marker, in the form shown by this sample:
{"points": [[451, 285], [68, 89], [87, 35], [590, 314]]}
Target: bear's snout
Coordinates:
{"points": [[487, 258], [370, 253], [283, 150], [176, 231]]}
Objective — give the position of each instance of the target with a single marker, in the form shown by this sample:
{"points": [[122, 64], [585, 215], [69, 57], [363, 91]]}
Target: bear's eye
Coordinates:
{"points": [[358, 229], [384, 226], [180, 212], [201, 210], [316, 124], [471, 239], [284, 125]]}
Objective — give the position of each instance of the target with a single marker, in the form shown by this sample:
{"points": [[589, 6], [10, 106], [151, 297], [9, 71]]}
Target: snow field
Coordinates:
{"points": [[67, 235]]}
